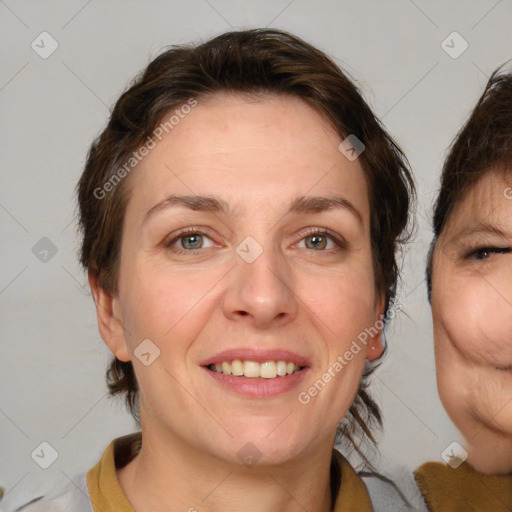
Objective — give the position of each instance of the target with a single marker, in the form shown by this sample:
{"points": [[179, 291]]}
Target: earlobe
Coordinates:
{"points": [[376, 346], [110, 321], [377, 343]]}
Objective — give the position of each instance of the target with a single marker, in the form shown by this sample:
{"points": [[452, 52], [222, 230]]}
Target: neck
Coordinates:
{"points": [[170, 475]]}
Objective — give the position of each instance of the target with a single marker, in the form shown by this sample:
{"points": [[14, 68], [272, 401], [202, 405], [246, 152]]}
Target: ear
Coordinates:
{"points": [[110, 319], [375, 345]]}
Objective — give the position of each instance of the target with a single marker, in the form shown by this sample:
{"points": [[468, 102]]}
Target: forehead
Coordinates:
{"points": [[489, 200], [249, 147], [228, 127]]}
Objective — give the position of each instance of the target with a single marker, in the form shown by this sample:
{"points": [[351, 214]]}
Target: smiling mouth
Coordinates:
{"points": [[254, 370]]}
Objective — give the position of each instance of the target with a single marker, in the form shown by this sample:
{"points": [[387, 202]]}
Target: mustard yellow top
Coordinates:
{"points": [[463, 489], [107, 496]]}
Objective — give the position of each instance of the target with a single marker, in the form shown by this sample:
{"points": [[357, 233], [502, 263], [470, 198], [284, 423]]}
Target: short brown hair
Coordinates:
{"points": [[246, 62], [482, 145]]}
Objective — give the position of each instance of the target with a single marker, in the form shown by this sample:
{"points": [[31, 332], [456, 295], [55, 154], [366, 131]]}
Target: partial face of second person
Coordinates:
{"points": [[184, 286], [472, 313]]}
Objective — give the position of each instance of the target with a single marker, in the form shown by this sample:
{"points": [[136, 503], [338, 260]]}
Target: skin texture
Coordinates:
{"points": [[472, 314], [258, 156]]}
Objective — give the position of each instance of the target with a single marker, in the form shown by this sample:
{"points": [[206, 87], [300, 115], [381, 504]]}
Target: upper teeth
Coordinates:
{"points": [[266, 370]]}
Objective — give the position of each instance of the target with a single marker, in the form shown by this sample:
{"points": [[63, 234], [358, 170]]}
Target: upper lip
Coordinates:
{"points": [[259, 356]]}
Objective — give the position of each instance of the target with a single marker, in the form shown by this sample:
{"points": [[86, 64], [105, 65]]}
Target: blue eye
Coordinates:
{"points": [[319, 240], [189, 240], [193, 240]]}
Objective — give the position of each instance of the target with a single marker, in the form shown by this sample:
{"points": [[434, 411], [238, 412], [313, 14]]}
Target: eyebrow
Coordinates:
{"points": [[481, 228], [302, 204]]}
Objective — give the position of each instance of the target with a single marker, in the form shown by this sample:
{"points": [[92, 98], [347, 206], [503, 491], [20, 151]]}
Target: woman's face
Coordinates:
{"points": [[472, 309], [246, 237]]}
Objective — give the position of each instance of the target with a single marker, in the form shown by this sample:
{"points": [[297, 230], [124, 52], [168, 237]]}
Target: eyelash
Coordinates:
{"points": [[475, 253], [195, 231]]}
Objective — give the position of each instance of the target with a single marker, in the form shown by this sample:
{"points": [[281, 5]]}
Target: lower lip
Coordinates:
{"points": [[258, 387]]}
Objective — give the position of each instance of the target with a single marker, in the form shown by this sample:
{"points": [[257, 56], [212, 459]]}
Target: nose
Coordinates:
{"points": [[261, 292]]}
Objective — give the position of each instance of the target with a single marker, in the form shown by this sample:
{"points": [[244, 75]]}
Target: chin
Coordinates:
{"points": [[271, 451], [490, 446], [493, 462]]}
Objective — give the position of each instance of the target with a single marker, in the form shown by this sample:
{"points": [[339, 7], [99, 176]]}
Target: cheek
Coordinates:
{"points": [[475, 318], [159, 304], [343, 307]]}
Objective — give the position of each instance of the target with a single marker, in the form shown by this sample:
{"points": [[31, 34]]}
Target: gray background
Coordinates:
{"points": [[52, 359]]}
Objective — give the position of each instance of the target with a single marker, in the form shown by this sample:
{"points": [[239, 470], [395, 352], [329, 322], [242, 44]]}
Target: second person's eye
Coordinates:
{"points": [[484, 253]]}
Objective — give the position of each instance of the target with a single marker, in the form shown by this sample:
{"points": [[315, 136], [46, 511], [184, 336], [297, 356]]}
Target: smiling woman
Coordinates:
{"points": [[249, 250]]}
